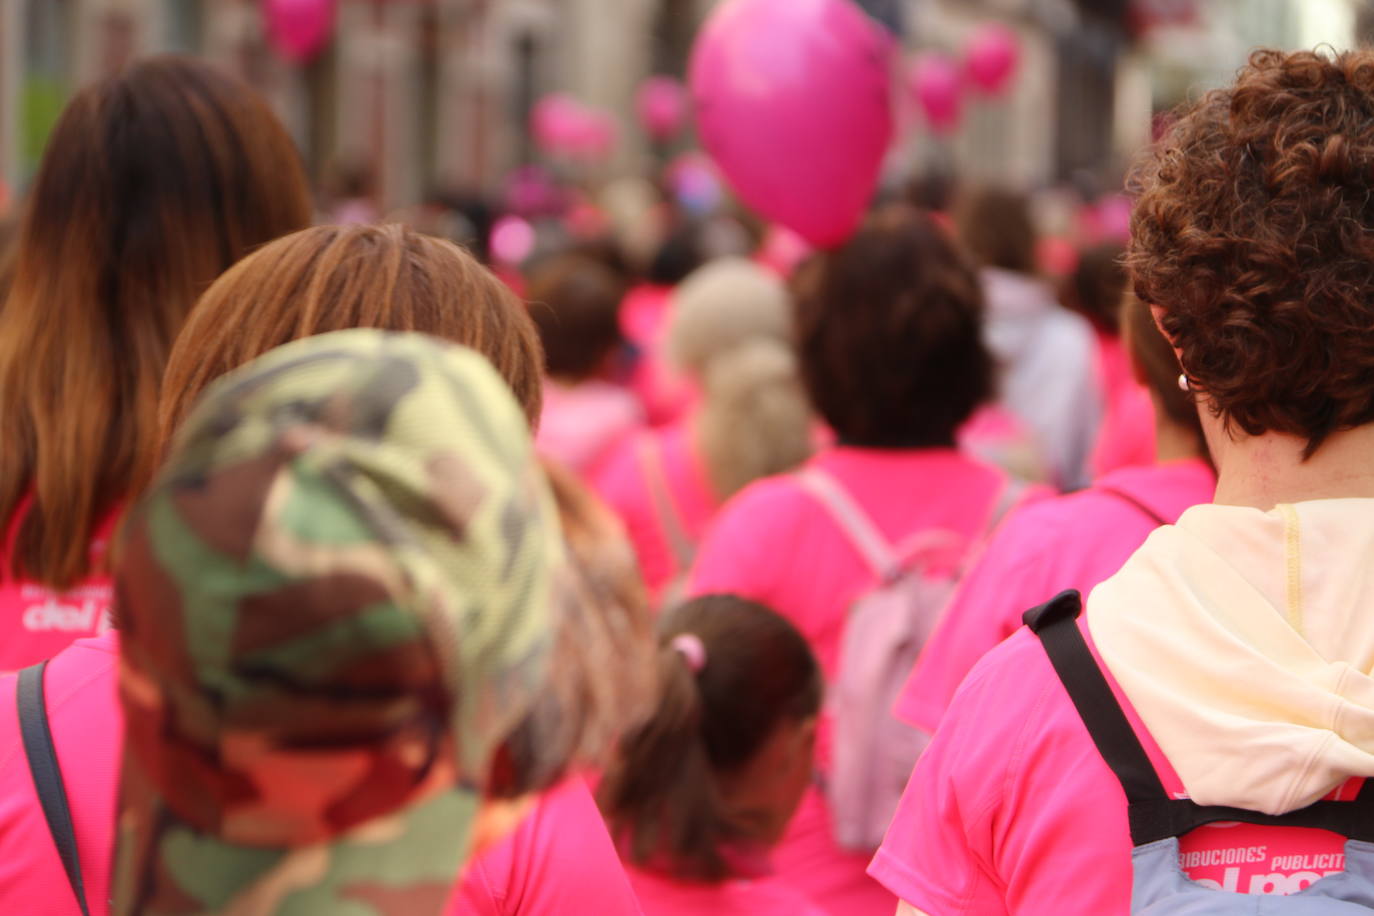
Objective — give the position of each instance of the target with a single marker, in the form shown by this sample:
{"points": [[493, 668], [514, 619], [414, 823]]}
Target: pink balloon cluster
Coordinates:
{"points": [[793, 103], [563, 126], [662, 107], [298, 29], [990, 60]]}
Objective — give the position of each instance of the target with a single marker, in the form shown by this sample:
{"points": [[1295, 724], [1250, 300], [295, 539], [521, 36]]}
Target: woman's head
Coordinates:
{"points": [[996, 227], [1251, 235], [890, 335], [575, 302], [1156, 367], [732, 330], [1095, 288], [332, 278], [723, 760], [151, 185]]}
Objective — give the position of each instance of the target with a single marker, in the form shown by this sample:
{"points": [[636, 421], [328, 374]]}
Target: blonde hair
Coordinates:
{"points": [[731, 329]]}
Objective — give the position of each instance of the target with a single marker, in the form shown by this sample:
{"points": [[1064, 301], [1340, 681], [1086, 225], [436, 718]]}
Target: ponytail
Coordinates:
{"points": [[661, 798], [756, 419], [729, 673]]}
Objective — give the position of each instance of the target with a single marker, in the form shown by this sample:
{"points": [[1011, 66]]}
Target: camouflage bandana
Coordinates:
{"points": [[334, 605]]}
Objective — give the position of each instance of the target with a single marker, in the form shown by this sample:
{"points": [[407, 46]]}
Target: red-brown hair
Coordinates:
{"points": [[152, 184], [1252, 231], [331, 278]]}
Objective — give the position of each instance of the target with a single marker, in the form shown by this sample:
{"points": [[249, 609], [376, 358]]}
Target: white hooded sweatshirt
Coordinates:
{"points": [[1245, 641]]}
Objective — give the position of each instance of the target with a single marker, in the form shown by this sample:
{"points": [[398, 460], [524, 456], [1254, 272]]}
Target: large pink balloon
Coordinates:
{"points": [[991, 57], [662, 106], [794, 104], [939, 90], [299, 28]]}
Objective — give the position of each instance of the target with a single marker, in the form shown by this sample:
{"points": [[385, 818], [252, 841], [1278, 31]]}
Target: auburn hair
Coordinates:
{"points": [[601, 673], [1252, 232], [331, 278], [152, 184]]}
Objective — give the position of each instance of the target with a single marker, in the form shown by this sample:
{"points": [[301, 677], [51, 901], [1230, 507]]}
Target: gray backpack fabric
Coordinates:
{"points": [[887, 627], [1160, 886]]}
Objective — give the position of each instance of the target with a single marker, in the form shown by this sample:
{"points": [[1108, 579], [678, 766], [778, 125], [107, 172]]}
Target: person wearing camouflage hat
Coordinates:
{"points": [[336, 603]]}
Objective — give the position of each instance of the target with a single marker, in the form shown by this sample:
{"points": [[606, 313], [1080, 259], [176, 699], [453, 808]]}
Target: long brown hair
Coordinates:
{"points": [[332, 278], [152, 184]]}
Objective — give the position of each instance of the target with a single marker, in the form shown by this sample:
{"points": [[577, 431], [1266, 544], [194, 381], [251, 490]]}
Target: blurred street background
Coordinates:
{"points": [[403, 100]]}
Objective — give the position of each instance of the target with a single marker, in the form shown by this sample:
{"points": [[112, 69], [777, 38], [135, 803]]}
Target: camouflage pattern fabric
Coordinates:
{"points": [[335, 605]]}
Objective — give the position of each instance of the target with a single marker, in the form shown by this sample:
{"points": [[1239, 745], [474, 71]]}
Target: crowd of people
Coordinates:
{"points": [[347, 571]]}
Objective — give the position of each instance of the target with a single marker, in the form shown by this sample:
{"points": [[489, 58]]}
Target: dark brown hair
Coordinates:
{"points": [[890, 335], [1095, 288], [995, 225], [331, 278], [601, 677], [661, 796], [152, 184], [1154, 358], [575, 303], [1252, 231]]}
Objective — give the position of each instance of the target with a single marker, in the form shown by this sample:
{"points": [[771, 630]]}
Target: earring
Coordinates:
{"points": [[1183, 384]]}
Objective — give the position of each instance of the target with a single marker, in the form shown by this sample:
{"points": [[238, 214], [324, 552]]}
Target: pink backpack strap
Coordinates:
{"points": [[665, 507], [856, 524]]}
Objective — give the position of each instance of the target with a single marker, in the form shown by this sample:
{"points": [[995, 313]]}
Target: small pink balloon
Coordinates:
{"points": [[512, 240], [298, 29], [793, 101], [662, 106], [939, 90], [991, 57], [595, 136], [556, 123]]}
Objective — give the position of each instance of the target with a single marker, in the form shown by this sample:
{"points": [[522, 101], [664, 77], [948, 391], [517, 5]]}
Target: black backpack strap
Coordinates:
{"points": [[1152, 813], [1056, 623], [47, 775]]}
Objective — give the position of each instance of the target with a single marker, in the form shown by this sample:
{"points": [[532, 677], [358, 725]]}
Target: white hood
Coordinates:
{"points": [[1245, 640]]}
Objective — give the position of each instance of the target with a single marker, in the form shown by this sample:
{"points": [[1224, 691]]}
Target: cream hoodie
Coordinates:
{"points": [[1245, 640]]}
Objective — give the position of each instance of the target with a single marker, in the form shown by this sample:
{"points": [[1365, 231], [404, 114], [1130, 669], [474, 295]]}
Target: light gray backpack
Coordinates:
{"points": [[1160, 886], [887, 627]]}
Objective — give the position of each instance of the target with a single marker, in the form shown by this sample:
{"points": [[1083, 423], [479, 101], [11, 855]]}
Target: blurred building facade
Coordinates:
{"points": [[437, 93]]}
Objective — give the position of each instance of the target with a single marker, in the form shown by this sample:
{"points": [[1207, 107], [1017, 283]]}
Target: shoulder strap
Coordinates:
{"points": [[665, 507], [47, 775], [858, 528], [1144, 509], [1152, 813]]}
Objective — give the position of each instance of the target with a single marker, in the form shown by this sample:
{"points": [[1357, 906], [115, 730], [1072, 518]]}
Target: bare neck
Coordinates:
{"points": [[1264, 471], [1174, 441]]}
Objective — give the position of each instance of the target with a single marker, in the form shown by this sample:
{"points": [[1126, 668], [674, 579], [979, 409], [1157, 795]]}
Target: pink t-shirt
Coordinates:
{"points": [[624, 484], [581, 425], [664, 393], [773, 543], [37, 622], [1127, 436], [83, 713], [1011, 809], [560, 856], [664, 896], [560, 860], [1073, 541]]}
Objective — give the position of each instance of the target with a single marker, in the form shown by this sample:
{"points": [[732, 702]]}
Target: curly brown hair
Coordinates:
{"points": [[1254, 232]]}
